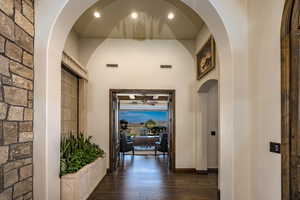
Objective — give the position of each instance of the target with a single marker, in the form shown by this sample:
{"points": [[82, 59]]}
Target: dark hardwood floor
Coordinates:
{"points": [[148, 178]]}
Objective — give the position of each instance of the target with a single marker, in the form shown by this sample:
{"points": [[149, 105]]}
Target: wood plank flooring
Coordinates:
{"points": [[148, 178]]}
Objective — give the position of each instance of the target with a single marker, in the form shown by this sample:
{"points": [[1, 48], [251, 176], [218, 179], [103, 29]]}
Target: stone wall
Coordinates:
{"points": [[16, 98], [69, 103]]}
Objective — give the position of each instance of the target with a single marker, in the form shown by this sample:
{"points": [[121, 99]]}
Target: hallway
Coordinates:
{"points": [[147, 178]]}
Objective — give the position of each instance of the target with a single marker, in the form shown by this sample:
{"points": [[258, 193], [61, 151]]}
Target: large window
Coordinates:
{"points": [[144, 123]]}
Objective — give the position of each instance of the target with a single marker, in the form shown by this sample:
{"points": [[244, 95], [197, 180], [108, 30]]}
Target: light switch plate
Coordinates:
{"points": [[274, 147]]}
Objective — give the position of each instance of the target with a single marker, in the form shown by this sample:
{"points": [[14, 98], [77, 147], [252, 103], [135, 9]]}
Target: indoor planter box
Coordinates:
{"points": [[79, 185]]}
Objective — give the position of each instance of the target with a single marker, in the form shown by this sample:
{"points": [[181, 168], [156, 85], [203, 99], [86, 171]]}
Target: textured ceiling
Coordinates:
{"points": [[115, 21]]}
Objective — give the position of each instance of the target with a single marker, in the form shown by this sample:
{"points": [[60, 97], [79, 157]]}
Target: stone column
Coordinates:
{"points": [[16, 98]]}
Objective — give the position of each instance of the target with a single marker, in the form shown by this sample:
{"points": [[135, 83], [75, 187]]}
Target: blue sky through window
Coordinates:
{"points": [[143, 116]]}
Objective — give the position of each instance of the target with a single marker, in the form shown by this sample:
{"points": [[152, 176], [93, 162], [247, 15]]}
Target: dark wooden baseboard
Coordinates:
{"points": [[213, 170], [108, 171], [185, 170], [204, 172], [208, 171]]}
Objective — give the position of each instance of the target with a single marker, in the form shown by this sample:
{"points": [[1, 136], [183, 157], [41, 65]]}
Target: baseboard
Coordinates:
{"points": [[204, 172], [213, 170], [208, 171], [185, 170]]}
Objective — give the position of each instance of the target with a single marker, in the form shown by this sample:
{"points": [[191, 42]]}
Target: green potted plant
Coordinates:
{"points": [[82, 167]]}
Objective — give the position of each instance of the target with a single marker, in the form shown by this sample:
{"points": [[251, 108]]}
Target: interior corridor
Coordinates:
{"points": [[148, 178], [246, 127]]}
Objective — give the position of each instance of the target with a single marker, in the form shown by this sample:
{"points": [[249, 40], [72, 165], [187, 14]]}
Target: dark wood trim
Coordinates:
{"points": [[186, 170], [287, 99], [110, 132], [208, 171], [143, 91], [204, 172], [141, 98], [213, 170], [172, 94], [173, 136]]}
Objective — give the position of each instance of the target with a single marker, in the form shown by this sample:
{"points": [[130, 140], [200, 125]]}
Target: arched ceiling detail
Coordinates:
{"points": [[207, 85], [152, 22]]}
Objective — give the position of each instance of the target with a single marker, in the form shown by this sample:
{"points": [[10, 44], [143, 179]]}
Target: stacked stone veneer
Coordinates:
{"points": [[16, 98]]}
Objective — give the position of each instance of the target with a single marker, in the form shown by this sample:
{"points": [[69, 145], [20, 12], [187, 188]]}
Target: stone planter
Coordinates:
{"points": [[80, 185]]}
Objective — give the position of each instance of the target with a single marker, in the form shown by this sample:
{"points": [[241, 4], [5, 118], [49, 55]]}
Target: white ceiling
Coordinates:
{"points": [[115, 21]]}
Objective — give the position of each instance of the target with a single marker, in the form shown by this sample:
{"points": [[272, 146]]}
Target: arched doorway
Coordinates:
{"points": [[51, 35], [208, 129], [290, 100]]}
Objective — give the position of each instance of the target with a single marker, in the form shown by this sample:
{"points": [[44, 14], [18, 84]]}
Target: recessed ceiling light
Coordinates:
{"points": [[97, 14], [171, 16], [134, 15]]}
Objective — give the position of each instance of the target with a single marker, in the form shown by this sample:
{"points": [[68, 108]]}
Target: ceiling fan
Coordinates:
{"points": [[146, 100]]}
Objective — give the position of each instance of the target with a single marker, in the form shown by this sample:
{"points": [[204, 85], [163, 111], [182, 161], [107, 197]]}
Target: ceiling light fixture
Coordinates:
{"points": [[171, 16], [134, 15], [132, 97], [97, 14]]}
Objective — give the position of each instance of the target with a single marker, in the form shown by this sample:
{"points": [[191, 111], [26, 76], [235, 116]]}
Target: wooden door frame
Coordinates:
{"points": [[172, 94], [287, 100], [111, 131]]}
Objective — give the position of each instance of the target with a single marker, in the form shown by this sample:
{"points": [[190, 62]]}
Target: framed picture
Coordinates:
{"points": [[206, 58]]}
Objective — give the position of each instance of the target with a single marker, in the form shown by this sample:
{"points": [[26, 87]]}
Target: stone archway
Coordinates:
{"points": [[51, 32]]}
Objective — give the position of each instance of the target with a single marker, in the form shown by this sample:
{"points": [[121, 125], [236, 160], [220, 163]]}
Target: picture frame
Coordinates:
{"points": [[206, 58]]}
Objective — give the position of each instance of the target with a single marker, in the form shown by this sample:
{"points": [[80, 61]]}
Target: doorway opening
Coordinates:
{"points": [[209, 128], [207, 144], [142, 122]]}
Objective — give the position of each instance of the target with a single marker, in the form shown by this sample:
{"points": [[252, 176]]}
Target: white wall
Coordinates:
{"points": [[264, 59], [72, 45], [87, 48], [139, 68]]}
